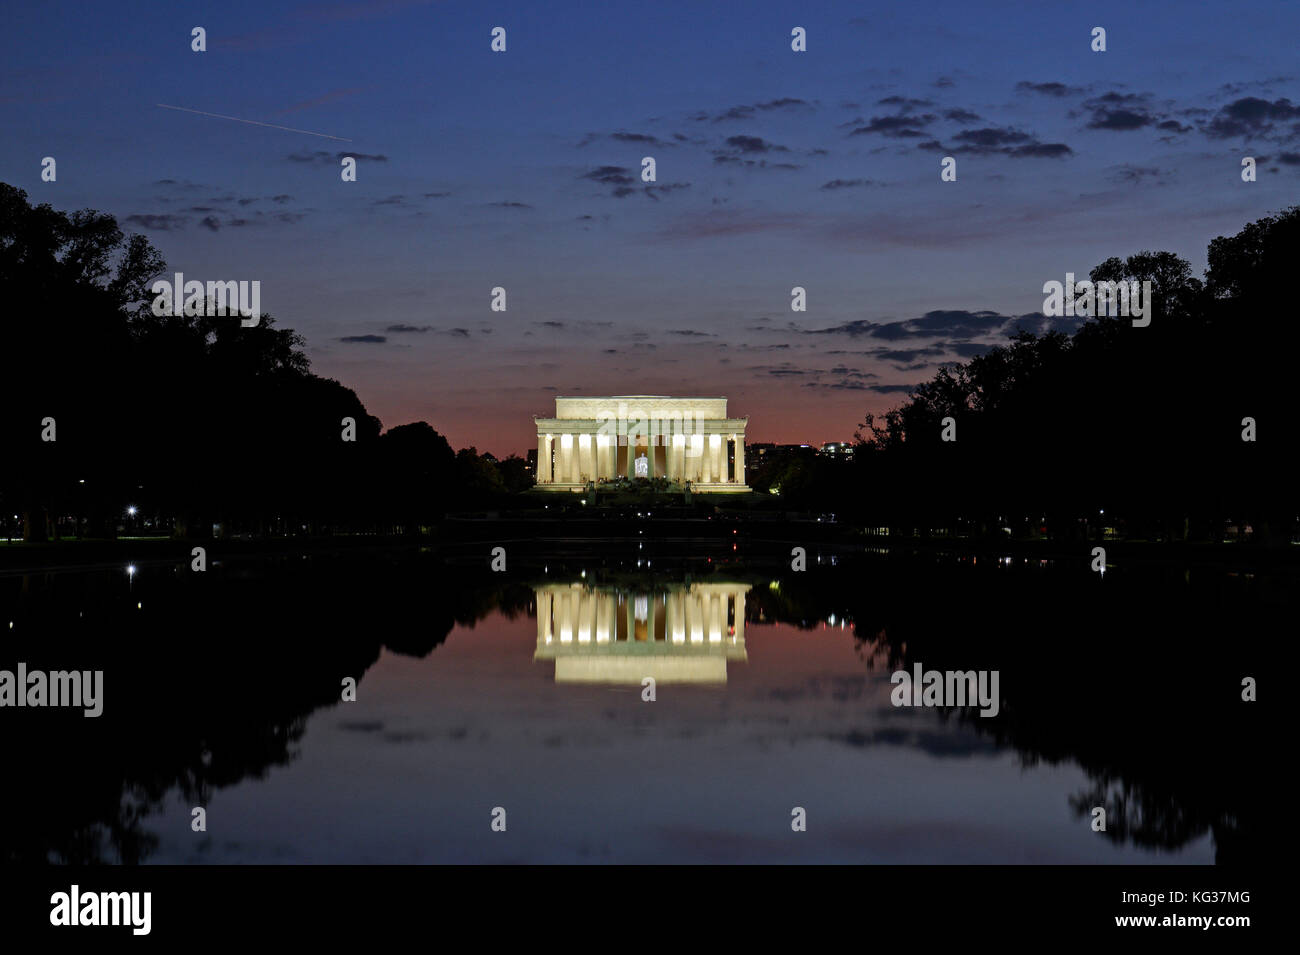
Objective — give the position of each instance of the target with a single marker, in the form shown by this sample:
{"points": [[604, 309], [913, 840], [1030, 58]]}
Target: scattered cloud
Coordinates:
{"points": [[753, 144], [1120, 120], [904, 103], [158, 223], [321, 156], [1048, 89], [1250, 116], [1137, 174], [623, 183], [998, 140], [643, 139], [848, 184], [610, 175], [751, 111], [991, 137], [953, 325], [902, 126]]}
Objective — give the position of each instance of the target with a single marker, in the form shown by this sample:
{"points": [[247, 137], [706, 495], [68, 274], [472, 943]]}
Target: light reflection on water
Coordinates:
{"points": [[536, 701], [738, 735]]}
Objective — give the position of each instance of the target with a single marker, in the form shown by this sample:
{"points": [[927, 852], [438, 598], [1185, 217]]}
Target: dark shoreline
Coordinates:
{"points": [[766, 542]]}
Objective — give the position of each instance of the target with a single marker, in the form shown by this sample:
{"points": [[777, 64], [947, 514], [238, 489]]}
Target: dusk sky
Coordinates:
{"points": [[774, 169]]}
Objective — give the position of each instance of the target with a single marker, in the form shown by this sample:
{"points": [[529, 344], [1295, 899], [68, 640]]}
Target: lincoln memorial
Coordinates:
{"points": [[686, 440]]}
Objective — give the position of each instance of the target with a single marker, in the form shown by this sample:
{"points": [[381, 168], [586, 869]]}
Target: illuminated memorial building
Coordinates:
{"points": [[686, 440], [683, 633]]}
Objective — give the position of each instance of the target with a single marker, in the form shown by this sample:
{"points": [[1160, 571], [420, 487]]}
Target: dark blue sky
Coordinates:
{"points": [[775, 169]]}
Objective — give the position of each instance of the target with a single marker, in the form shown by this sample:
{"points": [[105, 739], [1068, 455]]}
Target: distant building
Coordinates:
{"points": [[838, 449], [769, 450]]}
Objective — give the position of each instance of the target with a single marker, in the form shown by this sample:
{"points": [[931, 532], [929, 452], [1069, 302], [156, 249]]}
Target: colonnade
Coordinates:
{"points": [[699, 458]]}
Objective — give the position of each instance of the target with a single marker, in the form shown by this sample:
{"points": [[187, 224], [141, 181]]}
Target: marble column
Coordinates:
{"points": [[565, 459], [694, 614], [608, 625], [586, 465], [676, 612], [740, 459], [543, 459], [602, 453]]}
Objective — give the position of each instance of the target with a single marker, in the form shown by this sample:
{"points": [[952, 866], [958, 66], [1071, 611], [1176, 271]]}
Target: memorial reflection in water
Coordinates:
{"points": [[677, 633]]}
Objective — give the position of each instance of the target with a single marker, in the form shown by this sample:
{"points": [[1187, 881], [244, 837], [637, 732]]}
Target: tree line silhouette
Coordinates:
{"points": [[194, 421], [1136, 429]]}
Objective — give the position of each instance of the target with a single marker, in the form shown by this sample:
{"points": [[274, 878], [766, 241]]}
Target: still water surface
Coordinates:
{"points": [[533, 702]]}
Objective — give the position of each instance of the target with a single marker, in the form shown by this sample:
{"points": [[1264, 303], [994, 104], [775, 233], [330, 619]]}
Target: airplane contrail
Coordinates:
{"points": [[253, 122]]}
